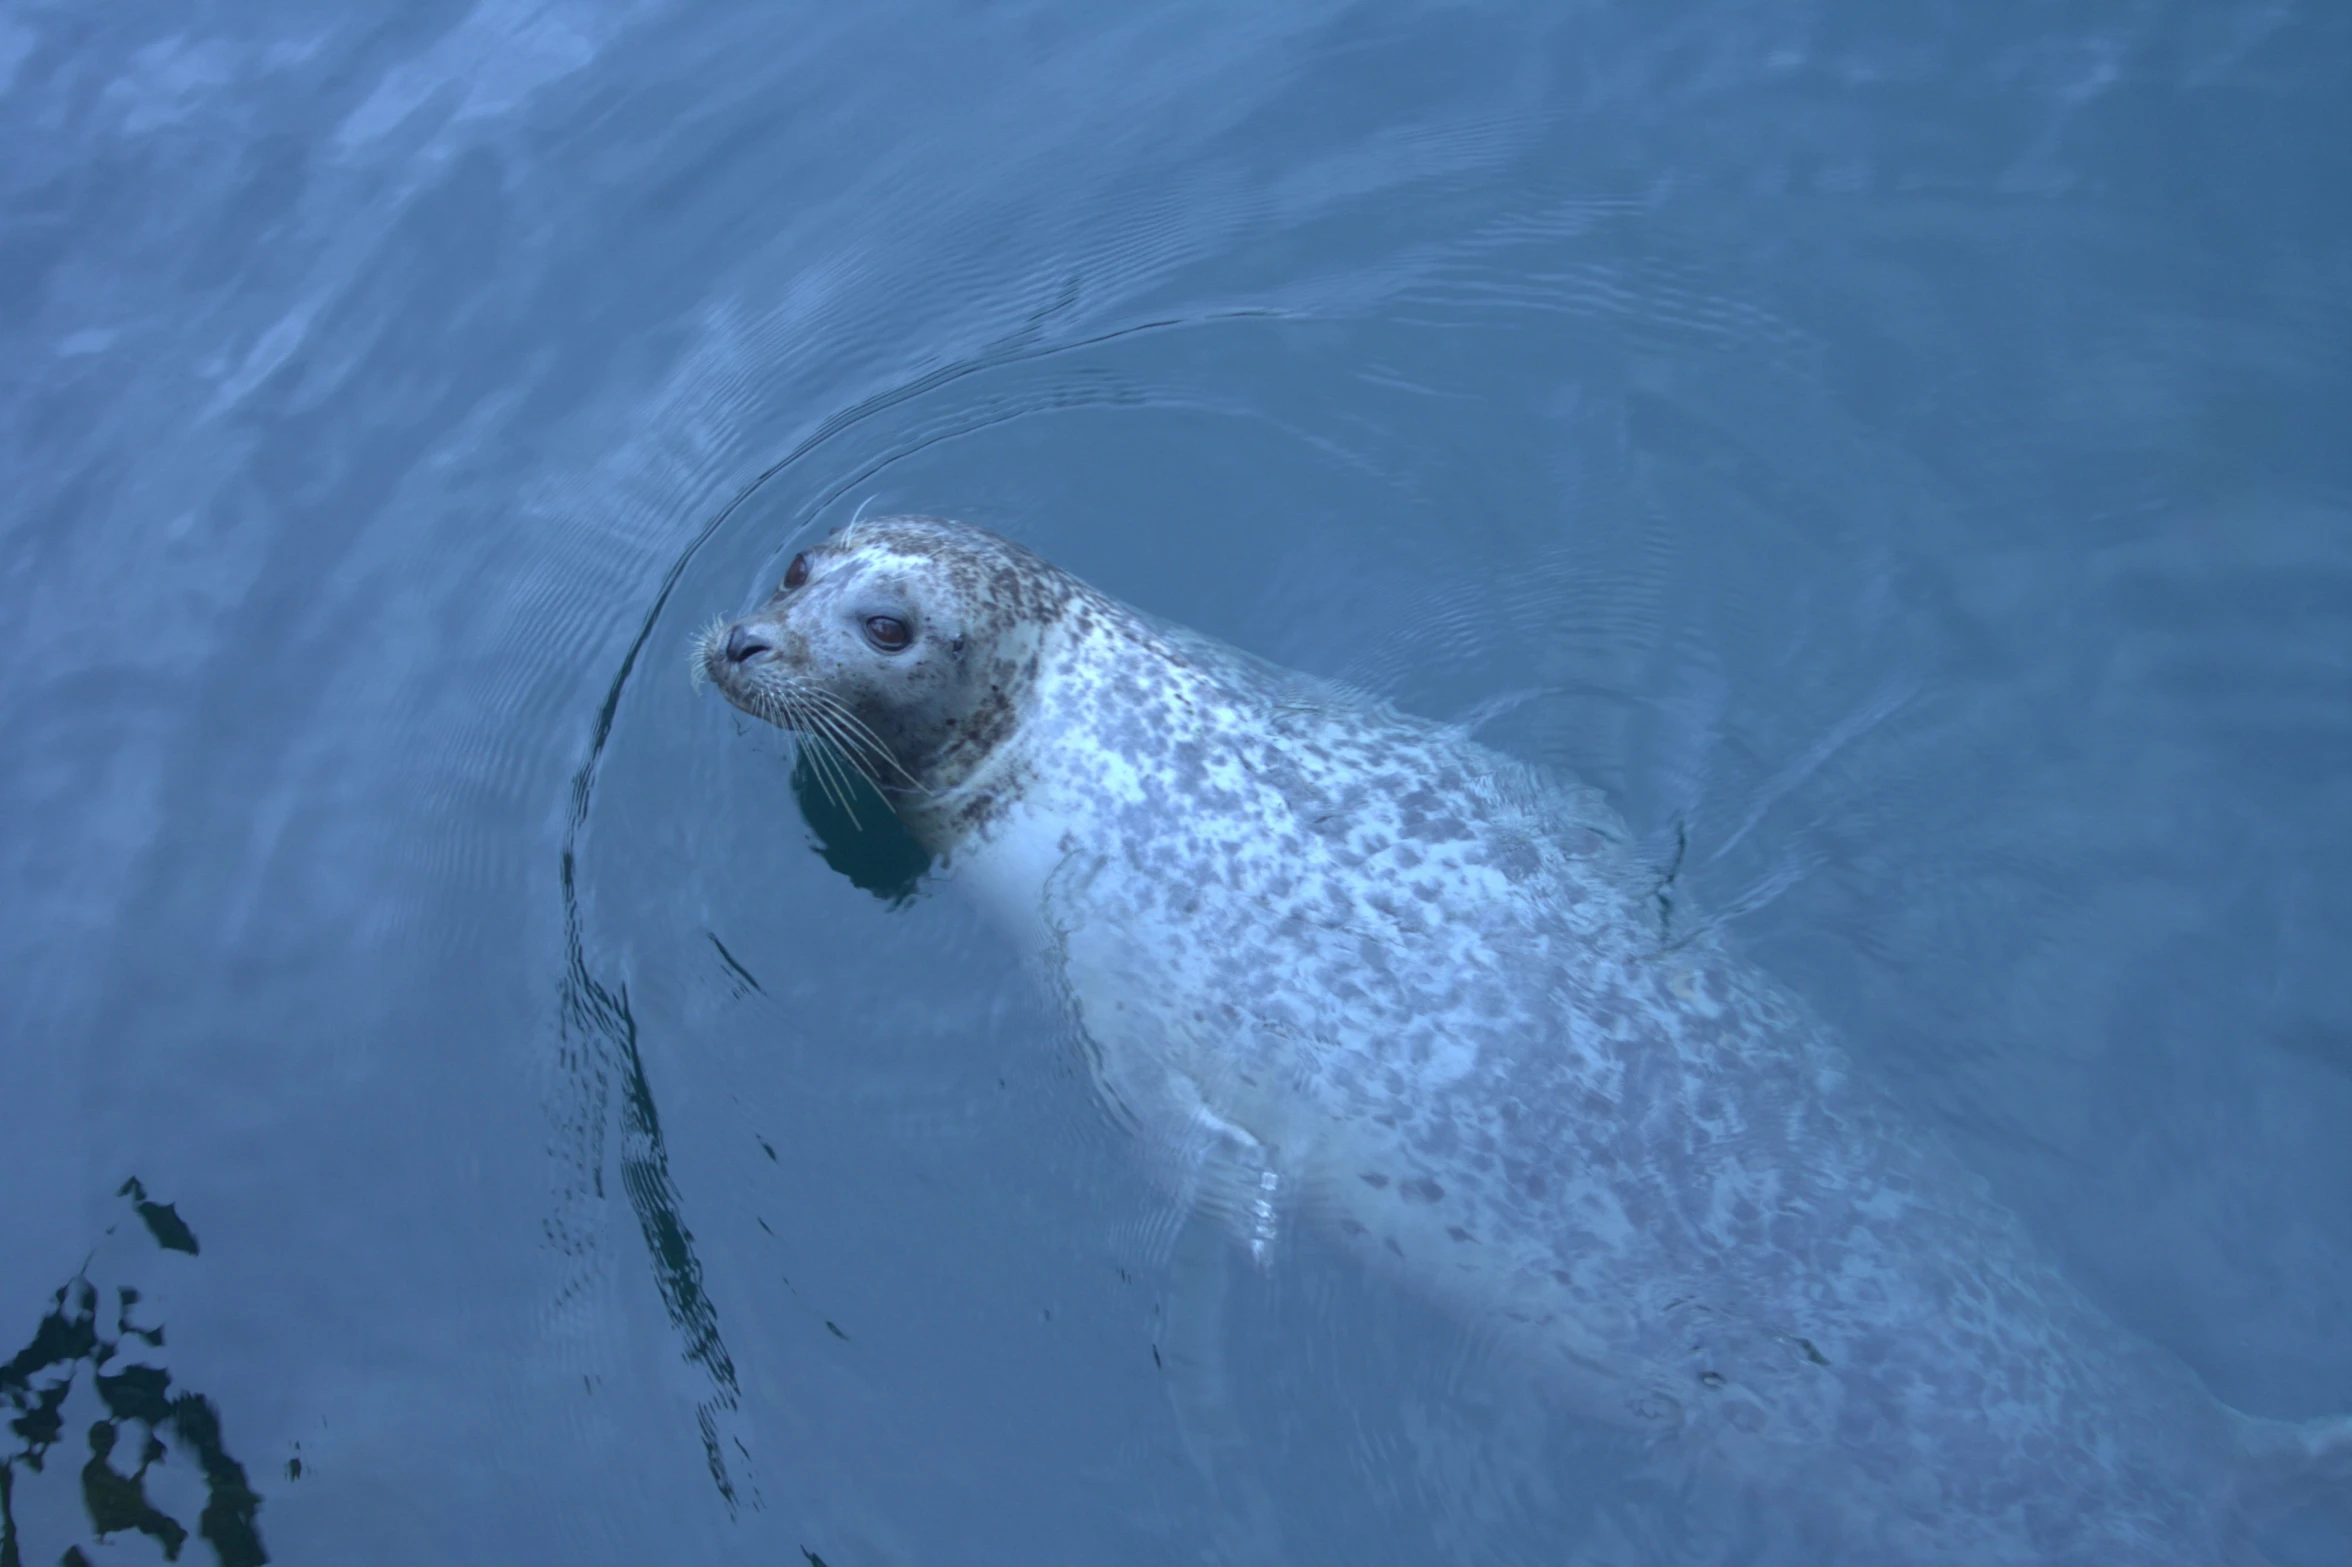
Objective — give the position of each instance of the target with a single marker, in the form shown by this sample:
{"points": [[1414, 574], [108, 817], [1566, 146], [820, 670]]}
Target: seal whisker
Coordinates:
{"points": [[825, 715], [822, 726], [821, 753], [871, 745], [830, 756], [825, 763], [852, 749], [849, 534], [698, 650], [781, 709], [826, 771], [773, 707], [834, 705]]}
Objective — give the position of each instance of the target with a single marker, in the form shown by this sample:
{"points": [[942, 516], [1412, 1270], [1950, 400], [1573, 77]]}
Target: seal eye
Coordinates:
{"points": [[887, 632], [796, 573]]}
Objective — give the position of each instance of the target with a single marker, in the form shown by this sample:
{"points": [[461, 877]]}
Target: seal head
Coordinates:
{"points": [[904, 646]]}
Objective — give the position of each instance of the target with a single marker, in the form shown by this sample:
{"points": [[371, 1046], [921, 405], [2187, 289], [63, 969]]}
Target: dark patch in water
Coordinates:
{"points": [[865, 842], [140, 1405], [162, 1219]]}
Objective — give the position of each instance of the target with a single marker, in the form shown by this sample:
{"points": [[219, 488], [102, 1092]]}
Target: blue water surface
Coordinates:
{"points": [[1896, 451]]}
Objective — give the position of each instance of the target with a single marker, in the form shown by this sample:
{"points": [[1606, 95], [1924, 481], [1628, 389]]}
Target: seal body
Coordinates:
{"points": [[1335, 964]]}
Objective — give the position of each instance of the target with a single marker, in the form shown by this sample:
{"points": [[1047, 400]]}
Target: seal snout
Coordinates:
{"points": [[744, 644]]}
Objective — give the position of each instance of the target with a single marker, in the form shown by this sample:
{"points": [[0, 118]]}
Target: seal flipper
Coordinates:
{"points": [[1225, 1173], [2312, 1456], [1143, 1064], [2293, 1467], [1245, 1526]]}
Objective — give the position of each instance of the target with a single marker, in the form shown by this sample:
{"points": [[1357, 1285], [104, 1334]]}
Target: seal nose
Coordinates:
{"points": [[745, 644]]}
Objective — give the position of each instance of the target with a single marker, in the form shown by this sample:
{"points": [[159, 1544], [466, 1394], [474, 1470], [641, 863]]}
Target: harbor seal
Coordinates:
{"points": [[1336, 964]]}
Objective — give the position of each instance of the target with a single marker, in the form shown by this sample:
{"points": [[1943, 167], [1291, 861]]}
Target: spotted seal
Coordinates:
{"points": [[1333, 962]]}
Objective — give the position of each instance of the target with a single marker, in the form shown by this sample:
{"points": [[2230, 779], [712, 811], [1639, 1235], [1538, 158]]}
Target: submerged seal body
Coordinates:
{"points": [[1335, 963]]}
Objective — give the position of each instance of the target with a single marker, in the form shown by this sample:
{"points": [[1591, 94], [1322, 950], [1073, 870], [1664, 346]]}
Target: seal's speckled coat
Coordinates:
{"points": [[1337, 962]]}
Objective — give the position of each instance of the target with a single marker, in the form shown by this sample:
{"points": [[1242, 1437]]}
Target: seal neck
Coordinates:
{"points": [[972, 771]]}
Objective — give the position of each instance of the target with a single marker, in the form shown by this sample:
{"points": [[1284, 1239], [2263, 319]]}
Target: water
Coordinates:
{"points": [[1896, 453]]}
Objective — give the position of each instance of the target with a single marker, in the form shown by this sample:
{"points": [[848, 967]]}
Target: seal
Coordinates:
{"points": [[1334, 963]]}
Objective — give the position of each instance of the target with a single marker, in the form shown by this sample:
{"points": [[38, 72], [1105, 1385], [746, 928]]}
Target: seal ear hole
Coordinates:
{"points": [[888, 633], [796, 573]]}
